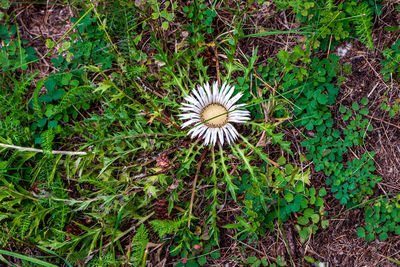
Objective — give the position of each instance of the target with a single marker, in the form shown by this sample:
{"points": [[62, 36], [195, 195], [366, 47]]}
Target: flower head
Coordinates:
{"points": [[211, 110]]}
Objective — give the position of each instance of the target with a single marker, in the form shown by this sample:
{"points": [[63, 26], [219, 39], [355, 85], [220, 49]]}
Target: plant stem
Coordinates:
{"points": [[194, 184], [41, 150]]}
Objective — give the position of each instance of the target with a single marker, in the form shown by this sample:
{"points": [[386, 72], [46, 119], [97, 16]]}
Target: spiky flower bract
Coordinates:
{"points": [[211, 110]]}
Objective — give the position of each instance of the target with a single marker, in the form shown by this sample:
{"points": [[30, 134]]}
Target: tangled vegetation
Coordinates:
{"points": [[96, 170]]}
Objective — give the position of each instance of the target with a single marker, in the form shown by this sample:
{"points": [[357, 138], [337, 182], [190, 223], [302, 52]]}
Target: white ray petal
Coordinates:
{"points": [[239, 119], [203, 95], [237, 106], [191, 109], [207, 136], [190, 122], [215, 92], [199, 98], [221, 136], [208, 92], [225, 87], [227, 134], [238, 114], [188, 105], [233, 100], [220, 93], [228, 96], [189, 116], [212, 135], [197, 131], [232, 130], [215, 137], [193, 101]]}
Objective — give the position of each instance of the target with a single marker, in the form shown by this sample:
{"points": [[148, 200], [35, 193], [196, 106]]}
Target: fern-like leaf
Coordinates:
{"points": [[139, 244], [166, 227], [363, 20], [47, 140]]}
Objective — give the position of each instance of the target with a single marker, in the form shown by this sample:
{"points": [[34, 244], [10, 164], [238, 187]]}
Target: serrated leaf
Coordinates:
{"points": [[215, 255], [364, 101], [303, 220], [289, 197], [322, 99], [42, 122], [360, 232], [383, 236], [322, 192], [303, 176], [364, 111], [58, 94], [50, 84], [315, 218], [165, 25]]}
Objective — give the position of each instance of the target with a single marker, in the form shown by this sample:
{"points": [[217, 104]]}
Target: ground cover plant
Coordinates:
{"points": [[100, 166]]}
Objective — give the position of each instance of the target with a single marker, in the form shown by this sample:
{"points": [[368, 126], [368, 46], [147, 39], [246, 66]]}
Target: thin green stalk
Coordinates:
{"points": [[27, 258], [245, 160], [228, 178]]}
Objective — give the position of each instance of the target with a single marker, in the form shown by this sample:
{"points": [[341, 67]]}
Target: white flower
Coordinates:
{"points": [[211, 111]]}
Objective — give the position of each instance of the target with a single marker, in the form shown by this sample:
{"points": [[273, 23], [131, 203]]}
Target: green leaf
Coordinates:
{"points": [[310, 126], [53, 124], [155, 15], [397, 230], [383, 236], [360, 232], [215, 255], [303, 176], [309, 259], [66, 78], [312, 191], [315, 218], [49, 44], [322, 99], [202, 260], [370, 237], [303, 220], [364, 101], [50, 84], [308, 213], [364, 111], [281, 160], [251, 259], [319, 202], [322, 192], [165, 25], [42, 122], [58, 94], [289, 197], [280, 261], [355, 106], [324, 224], [191, 263]]}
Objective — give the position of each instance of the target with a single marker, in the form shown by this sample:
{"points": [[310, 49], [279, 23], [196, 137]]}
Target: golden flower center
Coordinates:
{"points": [[214, 115]]}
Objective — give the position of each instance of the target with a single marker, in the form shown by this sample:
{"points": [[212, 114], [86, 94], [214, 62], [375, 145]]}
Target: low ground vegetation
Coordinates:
{"points": [[96, 169]]}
